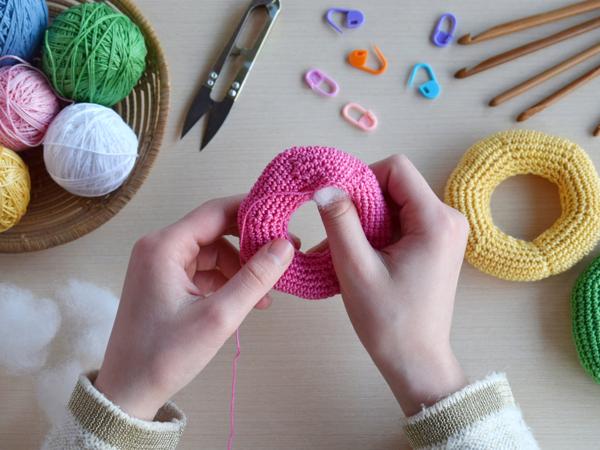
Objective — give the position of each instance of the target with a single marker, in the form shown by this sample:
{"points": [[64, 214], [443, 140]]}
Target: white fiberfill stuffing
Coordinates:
{"points": [[27, 326]]}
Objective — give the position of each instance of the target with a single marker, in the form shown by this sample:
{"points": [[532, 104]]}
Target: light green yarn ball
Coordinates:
{"points": [[94, 54], [585, 315]]}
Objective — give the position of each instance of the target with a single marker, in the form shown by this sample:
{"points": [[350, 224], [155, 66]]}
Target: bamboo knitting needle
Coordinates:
{"points": [[529, 48], [556, 96], [531, 21], [545, 75]]}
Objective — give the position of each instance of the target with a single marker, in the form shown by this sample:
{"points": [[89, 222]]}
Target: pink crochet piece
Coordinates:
{"points": [[290, 180]]}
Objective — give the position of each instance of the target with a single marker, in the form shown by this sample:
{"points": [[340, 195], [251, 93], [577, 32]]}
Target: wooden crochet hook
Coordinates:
{"points": [[529, 48], [556, 96], [545, 75], [531, 21]]}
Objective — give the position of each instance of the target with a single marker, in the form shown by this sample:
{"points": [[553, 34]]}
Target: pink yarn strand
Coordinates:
{"points": [[238, 352], [238, 349]]}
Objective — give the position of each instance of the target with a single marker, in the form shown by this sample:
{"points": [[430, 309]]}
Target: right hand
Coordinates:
{"points": [[400, 299]]}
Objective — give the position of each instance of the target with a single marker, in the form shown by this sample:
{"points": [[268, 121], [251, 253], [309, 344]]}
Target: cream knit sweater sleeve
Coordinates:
{"points": [[92, 422], [482, 416]]}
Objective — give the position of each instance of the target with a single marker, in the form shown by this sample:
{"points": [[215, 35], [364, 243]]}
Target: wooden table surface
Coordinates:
{"points": [[305, 382]]}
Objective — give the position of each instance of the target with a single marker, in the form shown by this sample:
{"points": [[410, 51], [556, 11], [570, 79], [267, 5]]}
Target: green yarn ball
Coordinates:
{"points": [[94, 54], [585, 314]]}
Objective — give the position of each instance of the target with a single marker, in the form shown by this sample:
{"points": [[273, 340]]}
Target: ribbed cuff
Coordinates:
{"points": [[452, 415], [100, 417]]}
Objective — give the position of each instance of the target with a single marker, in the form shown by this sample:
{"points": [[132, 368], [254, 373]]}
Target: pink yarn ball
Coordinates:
{"points": [[290, 180], [27, 106]]}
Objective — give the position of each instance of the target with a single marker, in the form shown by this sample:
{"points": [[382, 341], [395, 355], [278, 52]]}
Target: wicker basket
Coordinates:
{"points": [[54, 216]]}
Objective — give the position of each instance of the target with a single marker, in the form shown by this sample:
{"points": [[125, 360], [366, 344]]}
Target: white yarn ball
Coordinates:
{"points": [[89, 150]]}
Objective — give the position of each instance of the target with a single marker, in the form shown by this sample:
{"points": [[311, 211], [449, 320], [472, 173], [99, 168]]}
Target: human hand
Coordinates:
{"points": [[400, 299], [184, 296]]}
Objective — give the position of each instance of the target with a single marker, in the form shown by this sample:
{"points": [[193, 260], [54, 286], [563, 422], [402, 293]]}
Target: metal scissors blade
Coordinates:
{"points": [[218, 110], [201, 104], [216, 117]]}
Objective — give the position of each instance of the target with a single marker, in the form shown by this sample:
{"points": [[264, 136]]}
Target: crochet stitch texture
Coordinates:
{"points": [[518, 152], [585, 316], [290, 180]]}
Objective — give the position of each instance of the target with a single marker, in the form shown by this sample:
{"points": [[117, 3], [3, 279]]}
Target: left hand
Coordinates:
{"points": [[184, 295]]}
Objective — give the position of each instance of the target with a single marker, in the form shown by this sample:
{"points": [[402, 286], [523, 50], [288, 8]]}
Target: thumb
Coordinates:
{"points": [[254, 280], [346, 237]]}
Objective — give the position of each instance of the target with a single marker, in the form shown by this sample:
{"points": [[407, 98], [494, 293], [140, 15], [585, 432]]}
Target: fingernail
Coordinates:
{"points": [[282, 250], [329, 195]]}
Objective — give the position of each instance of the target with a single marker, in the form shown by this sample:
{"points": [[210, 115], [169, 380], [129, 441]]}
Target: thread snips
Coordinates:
{"points": [[218, 110]]}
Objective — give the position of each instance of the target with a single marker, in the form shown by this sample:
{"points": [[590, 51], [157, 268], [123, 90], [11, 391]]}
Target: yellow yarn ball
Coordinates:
{"points": [[519, 152], [15, 188]]}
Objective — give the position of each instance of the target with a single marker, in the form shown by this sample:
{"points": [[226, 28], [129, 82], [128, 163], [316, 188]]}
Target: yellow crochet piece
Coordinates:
{"points": [[519, 152]]}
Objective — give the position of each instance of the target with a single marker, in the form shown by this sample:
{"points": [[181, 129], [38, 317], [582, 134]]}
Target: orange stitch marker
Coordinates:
{"points": [[358, 59]]}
